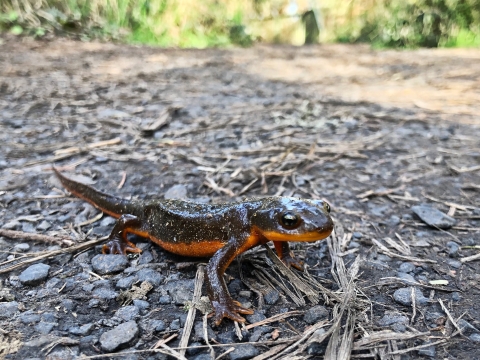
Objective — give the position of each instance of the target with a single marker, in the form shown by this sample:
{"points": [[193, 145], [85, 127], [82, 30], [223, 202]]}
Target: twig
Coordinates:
{"points": [[277, 317], [122, 181], [77, 149], [205, 336], [470, 258], [12, 234], [197, 293], [50, 254], [454, 323]]}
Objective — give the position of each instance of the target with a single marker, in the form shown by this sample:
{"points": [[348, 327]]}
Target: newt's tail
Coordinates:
{"points": [[109, 204]]}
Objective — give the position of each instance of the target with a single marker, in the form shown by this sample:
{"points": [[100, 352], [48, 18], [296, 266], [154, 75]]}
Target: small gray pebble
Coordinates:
{"points": [[405, 276], [119, 337], [391, 317], [105, 264], [199, 335], [455, 263], [158, 325], [357, 235], [125, 283], [272, 297], [164, 300], [29, 318], [141, 305], [406, 267], [35, 274], [193, 348], [146, 257], [456, 296], [175, 324], [82, 330], [12, 225], [244, 352], [428, 351], [178, 191], [404, 297], [433, 217], [151, 276], [475, 337], [255, 317], [44, 225], [22, 247], [44, 327], [453, 249], [315, 314], [127, 313]]}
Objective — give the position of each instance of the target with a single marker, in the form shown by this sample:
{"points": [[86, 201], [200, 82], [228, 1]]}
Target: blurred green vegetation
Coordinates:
{"points": [[188, 23]]}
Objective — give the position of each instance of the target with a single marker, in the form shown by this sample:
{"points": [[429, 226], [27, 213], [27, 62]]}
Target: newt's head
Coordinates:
{"points": [[292, 219]]}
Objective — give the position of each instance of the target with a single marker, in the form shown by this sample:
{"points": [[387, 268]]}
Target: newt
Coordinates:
{"points": [[221, 231]]}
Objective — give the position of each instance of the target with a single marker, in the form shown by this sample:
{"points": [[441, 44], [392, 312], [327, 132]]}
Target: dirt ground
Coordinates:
{"points": [[375, 133]]}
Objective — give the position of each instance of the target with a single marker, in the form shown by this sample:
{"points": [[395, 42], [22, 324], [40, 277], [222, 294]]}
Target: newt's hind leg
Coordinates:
{"points": [[118, 242]]}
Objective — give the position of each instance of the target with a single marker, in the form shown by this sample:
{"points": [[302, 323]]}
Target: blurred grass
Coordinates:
{"points": [[187, 23]]}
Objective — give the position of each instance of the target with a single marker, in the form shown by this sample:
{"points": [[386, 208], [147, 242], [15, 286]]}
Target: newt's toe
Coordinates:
{"points": [[119, 247], [230, 310], [291, 261]]}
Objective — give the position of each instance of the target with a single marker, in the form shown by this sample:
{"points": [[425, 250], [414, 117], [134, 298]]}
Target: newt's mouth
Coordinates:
{"points": [[310, 236]]}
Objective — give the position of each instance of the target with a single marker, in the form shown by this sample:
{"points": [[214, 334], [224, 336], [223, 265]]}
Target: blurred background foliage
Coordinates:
{"points": [[187, 23]]}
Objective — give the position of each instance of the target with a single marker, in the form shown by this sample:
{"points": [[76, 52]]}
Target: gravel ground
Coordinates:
{"points": [[400, 172]]}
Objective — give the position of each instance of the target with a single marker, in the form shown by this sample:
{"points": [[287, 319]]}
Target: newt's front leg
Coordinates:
{"points": [[286, 255], [118, 242], [222, 302]]}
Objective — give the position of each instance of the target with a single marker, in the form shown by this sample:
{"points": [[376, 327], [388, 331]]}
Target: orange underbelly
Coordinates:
{"points": [[204, 248]]}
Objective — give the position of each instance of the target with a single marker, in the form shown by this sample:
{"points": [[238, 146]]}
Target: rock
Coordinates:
{"points": [[357, 235], [105, 264], [194, 348], [158, 325], [255, 317], [29, 318], [151, 276], [44, 225], [12, 225], [164, 300], [393, 221], [141, 305], [315, 314], [82, 330], [433, 216], [127, 313], [404, 296], [456, 296], [126, 283], [35, 274], [104, 292], [391, 318], [244, 352], [8, 309], [405, 276], [406, 267], [45, 327], [175, 324], [428, 351], [453, 249], [316, 346], [227, 337], [434, 319], [198, 328], [203, 356], [22, 247], [146, 257], [119, 337], [475, 337], [272, 297], [181, 291], [455, 263], [178, 191], [466, 327]]}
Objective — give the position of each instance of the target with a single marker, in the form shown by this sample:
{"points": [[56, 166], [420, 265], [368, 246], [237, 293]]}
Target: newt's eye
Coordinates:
{"points": [[326, 207], [289, 219]]}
